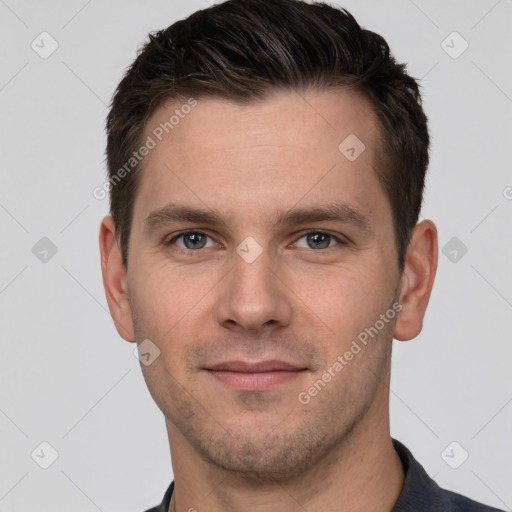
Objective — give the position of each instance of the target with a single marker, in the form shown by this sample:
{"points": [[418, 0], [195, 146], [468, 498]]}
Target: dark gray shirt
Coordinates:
{"points": [[419, 494]]}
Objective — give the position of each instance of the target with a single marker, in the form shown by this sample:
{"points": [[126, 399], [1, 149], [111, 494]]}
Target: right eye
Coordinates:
{"points": [[191, 240]]}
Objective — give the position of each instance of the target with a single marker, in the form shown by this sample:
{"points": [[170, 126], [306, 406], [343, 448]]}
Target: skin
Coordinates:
{"points": [[263, 451]]}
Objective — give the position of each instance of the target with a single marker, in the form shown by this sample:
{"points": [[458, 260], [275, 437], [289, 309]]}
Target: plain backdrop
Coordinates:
{"points": [[68, 379]]}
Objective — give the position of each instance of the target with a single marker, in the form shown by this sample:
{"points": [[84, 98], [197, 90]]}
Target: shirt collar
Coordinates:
{"points": [[419, 491]]}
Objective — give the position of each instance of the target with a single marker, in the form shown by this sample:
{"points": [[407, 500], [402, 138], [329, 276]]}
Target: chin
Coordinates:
{"points": [[275, 454]]}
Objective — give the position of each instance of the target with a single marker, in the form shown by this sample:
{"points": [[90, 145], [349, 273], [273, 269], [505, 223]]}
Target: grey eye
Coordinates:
{"points": [[317, 240], [192, 240]]}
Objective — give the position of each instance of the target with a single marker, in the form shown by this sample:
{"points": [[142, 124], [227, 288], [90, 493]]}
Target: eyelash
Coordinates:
{"points": [[340, 241]]}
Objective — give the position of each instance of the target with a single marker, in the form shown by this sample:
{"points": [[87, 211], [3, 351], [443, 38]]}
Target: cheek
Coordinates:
{"points": [[341, 299], [172, 307]]}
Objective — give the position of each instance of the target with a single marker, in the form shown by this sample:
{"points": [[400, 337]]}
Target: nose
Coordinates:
{"points": [[253, 296]]}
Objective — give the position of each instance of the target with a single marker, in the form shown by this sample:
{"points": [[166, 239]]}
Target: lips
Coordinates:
{"points": [[259, 376], [259, 367]]}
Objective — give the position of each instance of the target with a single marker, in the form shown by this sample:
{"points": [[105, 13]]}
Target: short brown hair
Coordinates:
{"points": [[241, 50]]}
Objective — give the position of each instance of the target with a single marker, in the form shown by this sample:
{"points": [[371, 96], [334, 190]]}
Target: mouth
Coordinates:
{"points": [[259, 376]]}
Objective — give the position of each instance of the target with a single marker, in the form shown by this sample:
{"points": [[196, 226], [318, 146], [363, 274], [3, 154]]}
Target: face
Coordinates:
{"points": [[259, 253]]}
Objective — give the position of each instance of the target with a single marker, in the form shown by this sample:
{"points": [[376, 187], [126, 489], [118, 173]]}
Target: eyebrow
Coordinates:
{"points": [[336, 211]]}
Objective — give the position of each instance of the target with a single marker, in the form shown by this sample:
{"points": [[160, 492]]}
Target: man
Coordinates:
{"points": [[266, 169]]}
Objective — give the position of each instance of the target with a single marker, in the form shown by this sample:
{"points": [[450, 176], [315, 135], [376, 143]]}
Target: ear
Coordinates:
{"points": [[115, 280], [417, 280]]}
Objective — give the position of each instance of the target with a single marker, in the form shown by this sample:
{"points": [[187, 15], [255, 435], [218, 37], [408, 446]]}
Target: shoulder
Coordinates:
{"points": [[420, 492], [164, 506], [459, 503]]}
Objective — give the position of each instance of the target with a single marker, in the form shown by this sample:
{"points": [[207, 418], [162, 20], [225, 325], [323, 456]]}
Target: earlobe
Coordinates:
{"points": [[417, 280], [115, 280]]}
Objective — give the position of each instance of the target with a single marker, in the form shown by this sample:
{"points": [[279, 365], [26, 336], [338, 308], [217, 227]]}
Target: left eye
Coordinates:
{"points": [[318, 240]]}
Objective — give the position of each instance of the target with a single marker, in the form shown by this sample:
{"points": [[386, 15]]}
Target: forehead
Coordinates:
{"points": [[278, 150], [308, 116]]}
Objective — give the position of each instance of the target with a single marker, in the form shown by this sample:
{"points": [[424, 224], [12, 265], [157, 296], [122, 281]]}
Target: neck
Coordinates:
{"points": [[363, 472]]}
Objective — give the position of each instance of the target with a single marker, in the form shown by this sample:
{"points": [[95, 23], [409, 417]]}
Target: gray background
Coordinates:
{"points": [[68, 379]]}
